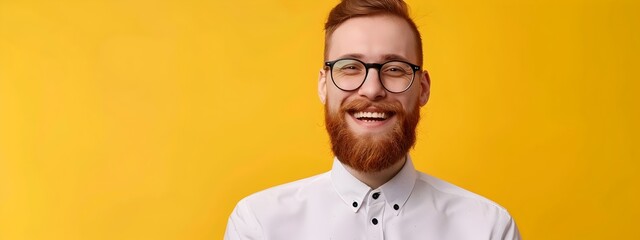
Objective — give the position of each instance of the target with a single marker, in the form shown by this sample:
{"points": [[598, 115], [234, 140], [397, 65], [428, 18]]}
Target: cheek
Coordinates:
{"points": [[407, 106], [410, 100], [335, 98], [332, 106]]}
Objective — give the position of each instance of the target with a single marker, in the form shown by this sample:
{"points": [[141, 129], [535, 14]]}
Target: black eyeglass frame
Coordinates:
{"points": [[377, 66]]}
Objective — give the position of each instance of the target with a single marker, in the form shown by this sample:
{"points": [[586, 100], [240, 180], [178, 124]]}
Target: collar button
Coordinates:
{"points": [[375, 195]]}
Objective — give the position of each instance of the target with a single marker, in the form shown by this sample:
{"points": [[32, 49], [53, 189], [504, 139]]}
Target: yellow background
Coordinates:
{"points": [[151, 119]]}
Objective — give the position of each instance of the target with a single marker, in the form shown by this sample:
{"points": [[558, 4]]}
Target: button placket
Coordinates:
{"points": [[375, 214]]}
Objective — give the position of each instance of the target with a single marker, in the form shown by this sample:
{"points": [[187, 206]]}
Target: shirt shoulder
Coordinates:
{"points": [[295, 190], [450, 191], [265, 212], [287, 200], [463, 209]]}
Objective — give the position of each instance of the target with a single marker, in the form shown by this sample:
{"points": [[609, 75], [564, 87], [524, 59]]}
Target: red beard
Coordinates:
{"points": [[372, 153]]}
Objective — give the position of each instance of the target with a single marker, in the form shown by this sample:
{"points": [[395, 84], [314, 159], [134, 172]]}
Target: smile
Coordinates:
{"points": [[371, 116]]}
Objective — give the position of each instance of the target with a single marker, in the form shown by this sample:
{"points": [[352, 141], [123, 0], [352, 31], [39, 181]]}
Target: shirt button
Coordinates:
{"points": [[396, 207], [374, 221], [355, 204], [376, 195]]}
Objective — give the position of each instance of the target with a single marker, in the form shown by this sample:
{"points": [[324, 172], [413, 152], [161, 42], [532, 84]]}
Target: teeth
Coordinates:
{"points": [[381, 115]]}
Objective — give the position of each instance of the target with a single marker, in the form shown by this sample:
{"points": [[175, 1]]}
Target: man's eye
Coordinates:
{"points": [[350, 67], [396, 71]]}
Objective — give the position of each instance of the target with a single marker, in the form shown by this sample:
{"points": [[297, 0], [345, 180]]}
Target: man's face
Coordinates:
{"points": [[372, 144]]}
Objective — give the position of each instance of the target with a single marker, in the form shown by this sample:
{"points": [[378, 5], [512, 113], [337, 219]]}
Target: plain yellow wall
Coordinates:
{"points": [[151, 119]]}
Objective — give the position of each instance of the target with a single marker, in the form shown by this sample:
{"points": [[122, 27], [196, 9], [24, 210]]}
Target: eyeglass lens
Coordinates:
{"points": [[349, 74]]}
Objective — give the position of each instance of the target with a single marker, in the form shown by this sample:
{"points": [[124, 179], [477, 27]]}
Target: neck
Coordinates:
{"points": [[376, 179]]}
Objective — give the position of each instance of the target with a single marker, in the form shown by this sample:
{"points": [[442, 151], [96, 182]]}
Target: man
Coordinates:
{"points": [[372, 87]]}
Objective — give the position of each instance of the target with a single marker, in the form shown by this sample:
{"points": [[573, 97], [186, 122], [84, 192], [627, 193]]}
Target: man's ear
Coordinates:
{"points": [[425, 87], [322, 86]]}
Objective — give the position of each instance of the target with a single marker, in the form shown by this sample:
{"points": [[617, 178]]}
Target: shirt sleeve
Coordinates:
{"points": [[510, 231], [243, 224]]}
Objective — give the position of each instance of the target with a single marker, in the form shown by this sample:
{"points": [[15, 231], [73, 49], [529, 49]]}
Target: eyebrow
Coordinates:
{"points": [[386, 57]]}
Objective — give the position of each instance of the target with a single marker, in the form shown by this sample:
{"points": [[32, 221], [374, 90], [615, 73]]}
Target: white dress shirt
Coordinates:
{"points": [[336, 205]]}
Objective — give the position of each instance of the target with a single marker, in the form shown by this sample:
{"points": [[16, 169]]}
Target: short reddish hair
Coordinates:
{"points": [[348, 9]]}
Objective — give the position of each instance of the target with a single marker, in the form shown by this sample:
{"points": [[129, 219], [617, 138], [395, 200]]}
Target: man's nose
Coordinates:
{"points": [[372, 87]]}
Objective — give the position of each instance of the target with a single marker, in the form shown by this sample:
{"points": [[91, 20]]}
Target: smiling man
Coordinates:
{"points": [[372, 86]]}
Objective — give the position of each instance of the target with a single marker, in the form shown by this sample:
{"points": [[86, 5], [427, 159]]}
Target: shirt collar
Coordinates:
{"points": [[353, 191], [399, 188]]}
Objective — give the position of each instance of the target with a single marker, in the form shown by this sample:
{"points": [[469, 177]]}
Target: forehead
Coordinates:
{"points": [[374, 38]]}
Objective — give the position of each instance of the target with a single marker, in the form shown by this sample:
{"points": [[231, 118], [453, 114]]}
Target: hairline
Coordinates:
{"points": [[414, 30]]}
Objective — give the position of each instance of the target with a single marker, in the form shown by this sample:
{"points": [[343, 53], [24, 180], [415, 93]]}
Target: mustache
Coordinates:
{"points": [[363, 104]]}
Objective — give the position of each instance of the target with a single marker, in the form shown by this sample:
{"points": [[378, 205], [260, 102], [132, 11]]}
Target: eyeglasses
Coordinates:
{"points": [[349, 74]]}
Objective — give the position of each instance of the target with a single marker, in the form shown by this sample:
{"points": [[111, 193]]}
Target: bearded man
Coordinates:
{"points": [[372, 86]]}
